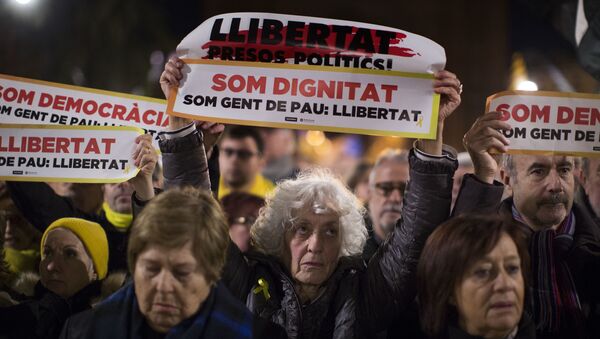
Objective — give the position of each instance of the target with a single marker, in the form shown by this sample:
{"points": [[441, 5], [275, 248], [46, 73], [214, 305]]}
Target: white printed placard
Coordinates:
{"points": [[550, 122], [28, 101], [312, 41], [308, 97], [301, 72], [85, 154]]}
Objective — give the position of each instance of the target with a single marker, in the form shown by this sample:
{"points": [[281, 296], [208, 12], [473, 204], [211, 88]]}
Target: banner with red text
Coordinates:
{"points": [[373, 102], [302, 40], [86, 154], [309, 73], [550, 122], [27, 101]]}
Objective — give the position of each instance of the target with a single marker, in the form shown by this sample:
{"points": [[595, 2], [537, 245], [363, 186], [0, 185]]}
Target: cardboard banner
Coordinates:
{"points": [[550, 122], [26, 101], [309, 73], [85, 154]]}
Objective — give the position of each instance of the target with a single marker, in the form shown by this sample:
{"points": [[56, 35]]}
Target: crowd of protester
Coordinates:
{"points": [[228, 238]]}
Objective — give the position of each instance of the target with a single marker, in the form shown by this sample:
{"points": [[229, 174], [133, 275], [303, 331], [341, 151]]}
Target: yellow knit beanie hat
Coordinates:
{"points": [[92, 236]]}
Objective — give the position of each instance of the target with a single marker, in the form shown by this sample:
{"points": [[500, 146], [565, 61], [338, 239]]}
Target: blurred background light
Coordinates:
{"points": [[325, 148], [315, 138], [527, 85]]}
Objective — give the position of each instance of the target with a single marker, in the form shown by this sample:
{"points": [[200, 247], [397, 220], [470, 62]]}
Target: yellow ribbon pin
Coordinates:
{"points": [[263, 286], [420, 122]]}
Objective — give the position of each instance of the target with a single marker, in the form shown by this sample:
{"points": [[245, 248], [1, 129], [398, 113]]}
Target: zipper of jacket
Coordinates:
{"points": [[297, 301]]}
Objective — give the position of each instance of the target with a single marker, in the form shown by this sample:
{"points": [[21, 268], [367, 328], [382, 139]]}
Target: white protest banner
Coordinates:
{"points": [[309, 73], [27, 101], [87, 154], [550, 122], [302, 40]]}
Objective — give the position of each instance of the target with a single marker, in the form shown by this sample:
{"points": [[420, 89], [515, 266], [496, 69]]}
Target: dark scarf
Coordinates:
{"points": [[220, 316], [555, 299]]}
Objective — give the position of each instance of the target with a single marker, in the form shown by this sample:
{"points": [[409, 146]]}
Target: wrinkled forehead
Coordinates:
{"points": [[314, 209], [523, 162], [175, 255]]}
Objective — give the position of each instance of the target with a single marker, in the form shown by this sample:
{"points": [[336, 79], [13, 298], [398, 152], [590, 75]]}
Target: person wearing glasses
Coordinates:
{"points": [[241, 161], [387, 181], [306, 273]]}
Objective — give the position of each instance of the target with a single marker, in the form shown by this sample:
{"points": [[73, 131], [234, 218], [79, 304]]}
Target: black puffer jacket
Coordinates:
{"points": [[358, 300]]}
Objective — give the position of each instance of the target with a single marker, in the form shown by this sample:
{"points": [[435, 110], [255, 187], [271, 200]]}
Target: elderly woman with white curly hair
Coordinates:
{"points": [[305, 272], [313, 204]]}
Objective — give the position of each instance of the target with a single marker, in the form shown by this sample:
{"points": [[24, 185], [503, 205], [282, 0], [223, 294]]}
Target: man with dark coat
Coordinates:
{"points": [[563, 238]]}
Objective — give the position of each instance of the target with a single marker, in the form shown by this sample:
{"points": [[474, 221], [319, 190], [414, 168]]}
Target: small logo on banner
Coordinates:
{"points": [[18, 172], [291, 119], [597, 148]]}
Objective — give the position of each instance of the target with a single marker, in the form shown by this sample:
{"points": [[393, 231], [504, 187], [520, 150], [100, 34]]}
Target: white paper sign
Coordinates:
{"points": [[87, 154], [309, 73], [550, 122], [27, 101], [274, 95], [302, 40]]}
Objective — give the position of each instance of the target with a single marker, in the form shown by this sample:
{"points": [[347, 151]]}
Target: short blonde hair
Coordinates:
{"points": [[177, 216]]}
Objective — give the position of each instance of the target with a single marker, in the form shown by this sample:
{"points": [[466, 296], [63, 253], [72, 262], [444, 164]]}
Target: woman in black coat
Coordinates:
{"points": [[74, 262], [307, 274]]}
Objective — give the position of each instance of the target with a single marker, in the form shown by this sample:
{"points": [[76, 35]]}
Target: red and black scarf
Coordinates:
{"points": [[555, 299]]}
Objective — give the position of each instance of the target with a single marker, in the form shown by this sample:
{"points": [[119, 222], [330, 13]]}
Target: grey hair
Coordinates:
{"points": [[393, 155], [508, 163], [319, 190]]}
